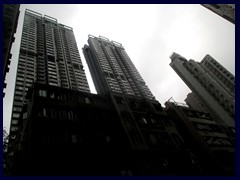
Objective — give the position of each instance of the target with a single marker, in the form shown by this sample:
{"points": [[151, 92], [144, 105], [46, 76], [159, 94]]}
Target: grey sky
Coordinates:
{"points": [[149, 33]]}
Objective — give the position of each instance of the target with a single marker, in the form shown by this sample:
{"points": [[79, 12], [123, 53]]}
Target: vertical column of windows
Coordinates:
{"points": [[145, 91], [121, 76], [102, 59], [68, 62], [60, 62], [41, 63], [131, 66], [77, 71], [127, 75], [49, 39], [112, 77], [221, 75], [32, 35], [63, 69], [108, 71], [52, 65]]}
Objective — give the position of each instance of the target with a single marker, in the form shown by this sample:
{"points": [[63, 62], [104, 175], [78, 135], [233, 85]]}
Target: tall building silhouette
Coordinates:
{"points": [[112, 69], [48, 55], [211, 84]]}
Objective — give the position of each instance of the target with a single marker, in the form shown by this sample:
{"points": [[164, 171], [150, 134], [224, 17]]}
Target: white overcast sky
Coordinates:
{"points": [[149, 34]]}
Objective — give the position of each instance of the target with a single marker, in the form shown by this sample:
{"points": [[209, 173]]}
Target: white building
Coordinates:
{"points": [[211, 83]]}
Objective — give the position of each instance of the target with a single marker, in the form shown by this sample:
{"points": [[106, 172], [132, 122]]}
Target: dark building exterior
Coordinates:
{"points": [[211, 84], [67, 132], [112, 69], [212, 143], [59, 128], [10, 21], [48, 55]]}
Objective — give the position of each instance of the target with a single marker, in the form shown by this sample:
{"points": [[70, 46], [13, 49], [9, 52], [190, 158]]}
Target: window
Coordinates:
{"points": [[17, 109], [25, 115], [28, 85], [18, 92], [16, 115], [204, 127], [29, 80], [144, 120], [15, 103], [62, 114], [14, 129], [54, 114], [217, 141], [14, 121], [19, 87], [43, 93], [70, 115], [19, 83], [18, 98], [43, 113]]}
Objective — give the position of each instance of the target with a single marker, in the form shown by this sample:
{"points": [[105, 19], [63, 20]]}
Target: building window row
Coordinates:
{"points": [[58, 114], [197, 114], [150, 122], [217, 141], [208, 127]]}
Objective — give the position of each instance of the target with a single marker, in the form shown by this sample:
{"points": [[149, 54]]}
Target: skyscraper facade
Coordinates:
{"points": [[211, 83], [48, 55], [112, 69]]}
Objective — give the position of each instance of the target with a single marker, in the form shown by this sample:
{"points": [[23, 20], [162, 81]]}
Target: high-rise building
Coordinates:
{"points": [[219, 74], [112, 69], [10, 21], [48, 55], [211, 83]]}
